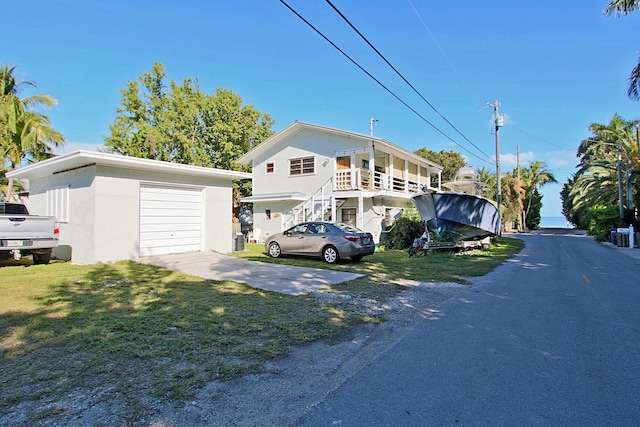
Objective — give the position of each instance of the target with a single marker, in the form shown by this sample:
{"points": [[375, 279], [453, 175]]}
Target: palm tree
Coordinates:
{"points": [[620, 8], [25, 135], [489, 178], [609, 156], [613, 146], [537, 175]]}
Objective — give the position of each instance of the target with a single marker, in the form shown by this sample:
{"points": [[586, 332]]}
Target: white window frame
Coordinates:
{"points": [[58, 203]]}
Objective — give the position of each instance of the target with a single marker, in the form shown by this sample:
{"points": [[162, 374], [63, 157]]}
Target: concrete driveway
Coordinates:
{"points": [[270, 277]]}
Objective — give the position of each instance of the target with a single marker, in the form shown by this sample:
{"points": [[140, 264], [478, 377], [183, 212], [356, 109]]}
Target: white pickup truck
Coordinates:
{"points": [[23, 234]]}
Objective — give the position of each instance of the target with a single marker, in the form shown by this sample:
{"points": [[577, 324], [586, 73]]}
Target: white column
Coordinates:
{"points": [[360, 222]]}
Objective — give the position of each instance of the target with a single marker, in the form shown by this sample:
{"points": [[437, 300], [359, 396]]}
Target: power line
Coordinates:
{"points": [[540, 139], [379, 82], [433, 38], [402, 77]]}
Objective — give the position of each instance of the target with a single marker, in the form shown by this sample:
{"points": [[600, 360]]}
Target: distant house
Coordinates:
{"points": [[310, 172], [112, 207]]}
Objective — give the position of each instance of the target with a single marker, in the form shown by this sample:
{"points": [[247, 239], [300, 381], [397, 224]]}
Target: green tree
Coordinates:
{"points": [[26, 135], [532, 221], [512, 199], [534, 177], [489, 178], [621, 8], [180, 123], [596, 186], [451, 161]]}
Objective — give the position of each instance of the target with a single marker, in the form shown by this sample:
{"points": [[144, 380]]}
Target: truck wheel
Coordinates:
{"points": [[42, 258]]}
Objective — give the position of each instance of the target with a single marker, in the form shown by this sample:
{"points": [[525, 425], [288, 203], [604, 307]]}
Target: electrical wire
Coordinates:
{"points": [[439, 46], [380, 83], [402, 77]]}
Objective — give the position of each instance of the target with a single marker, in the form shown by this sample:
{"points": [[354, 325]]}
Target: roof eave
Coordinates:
{"points": [[82, 158]]}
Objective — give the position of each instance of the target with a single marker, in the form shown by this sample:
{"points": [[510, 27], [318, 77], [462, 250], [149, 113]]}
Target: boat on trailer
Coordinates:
{"points": [[462, 214], [458, 216]]}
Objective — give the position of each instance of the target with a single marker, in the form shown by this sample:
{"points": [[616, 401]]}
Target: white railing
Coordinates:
{"points": [[312, 209], [361, 179]]}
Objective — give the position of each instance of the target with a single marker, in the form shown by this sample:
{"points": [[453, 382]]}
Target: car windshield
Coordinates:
{"points": [[348, 228]]}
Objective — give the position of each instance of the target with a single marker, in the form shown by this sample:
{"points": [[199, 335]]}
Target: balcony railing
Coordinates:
{"points": [[361, 179]]}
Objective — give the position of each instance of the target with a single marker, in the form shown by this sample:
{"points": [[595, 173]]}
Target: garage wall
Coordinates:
{"points": [[77, 238], [104, 210], [115, 224], [218, 210]]}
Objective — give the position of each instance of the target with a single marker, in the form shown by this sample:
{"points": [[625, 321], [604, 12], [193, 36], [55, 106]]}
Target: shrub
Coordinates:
{"points": [[600, 219], [405, 229]]}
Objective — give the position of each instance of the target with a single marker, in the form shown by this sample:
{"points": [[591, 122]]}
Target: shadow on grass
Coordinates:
{"points": [[125, 333]]}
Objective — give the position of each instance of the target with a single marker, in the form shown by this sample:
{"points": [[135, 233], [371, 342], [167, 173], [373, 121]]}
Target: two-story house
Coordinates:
{"points": [[308, 172]]}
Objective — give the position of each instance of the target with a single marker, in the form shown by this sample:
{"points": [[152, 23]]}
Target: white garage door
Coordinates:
{"points": [[171, 219]]}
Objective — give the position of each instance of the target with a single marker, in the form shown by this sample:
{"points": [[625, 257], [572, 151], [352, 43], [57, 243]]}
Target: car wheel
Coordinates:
{"points": [[274, 250], [330, 255], [357, 257]]}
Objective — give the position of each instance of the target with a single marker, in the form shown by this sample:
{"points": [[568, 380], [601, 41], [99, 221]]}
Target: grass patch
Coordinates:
{"points": [[141, 331], [389, 265], [128, 332]]}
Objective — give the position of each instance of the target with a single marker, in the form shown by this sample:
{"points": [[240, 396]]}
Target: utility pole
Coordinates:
{"points": [[521, 217], [498, 122], [620, 181]]}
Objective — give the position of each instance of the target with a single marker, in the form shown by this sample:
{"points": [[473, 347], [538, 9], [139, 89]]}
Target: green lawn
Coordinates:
{"points": [[135, 331], [395, 264]]}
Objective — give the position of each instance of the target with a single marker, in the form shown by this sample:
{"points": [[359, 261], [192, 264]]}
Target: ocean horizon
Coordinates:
{"points": [[554, 222]]}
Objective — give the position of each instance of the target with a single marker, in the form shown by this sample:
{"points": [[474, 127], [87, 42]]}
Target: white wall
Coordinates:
{"points": [[77, 240], [218, 212], [104, 207], [305, 143]]}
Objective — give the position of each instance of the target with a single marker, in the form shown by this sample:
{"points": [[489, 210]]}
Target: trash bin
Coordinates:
{"points": [[612, 234], [238, 242]]}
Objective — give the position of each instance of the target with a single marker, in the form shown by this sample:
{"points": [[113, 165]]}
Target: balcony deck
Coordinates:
{"points": [[361, 180]]}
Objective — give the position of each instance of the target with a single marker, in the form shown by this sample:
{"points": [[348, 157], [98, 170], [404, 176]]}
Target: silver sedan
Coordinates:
{"points": [[330, 241]]}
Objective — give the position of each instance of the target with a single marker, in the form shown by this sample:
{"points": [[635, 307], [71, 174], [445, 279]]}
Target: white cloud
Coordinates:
{"points": [[510, 160], [561, 158]]}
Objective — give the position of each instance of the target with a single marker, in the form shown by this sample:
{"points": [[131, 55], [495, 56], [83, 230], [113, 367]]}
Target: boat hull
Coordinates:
{"points": [[458, 216]]}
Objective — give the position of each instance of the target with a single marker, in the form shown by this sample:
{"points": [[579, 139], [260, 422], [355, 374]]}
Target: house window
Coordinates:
{"points": [[302, 166], [267, 212], [58, 203], [271, 167], [349, 216]]}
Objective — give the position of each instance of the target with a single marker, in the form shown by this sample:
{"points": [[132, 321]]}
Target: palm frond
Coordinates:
{"points": [[621, 7], [634, 83]]}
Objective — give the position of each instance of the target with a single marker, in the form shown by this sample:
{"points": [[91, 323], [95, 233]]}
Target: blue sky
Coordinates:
{"points": [[555, 66]]}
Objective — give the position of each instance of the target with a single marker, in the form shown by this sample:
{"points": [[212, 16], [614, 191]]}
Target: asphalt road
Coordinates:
{"points": [[550, 338]]}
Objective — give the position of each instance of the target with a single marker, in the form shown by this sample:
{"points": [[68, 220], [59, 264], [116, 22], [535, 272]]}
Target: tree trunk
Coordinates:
{"points": [[9, 189]]}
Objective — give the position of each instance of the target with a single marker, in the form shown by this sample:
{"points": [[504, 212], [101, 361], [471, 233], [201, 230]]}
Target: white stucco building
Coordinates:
{"points": [[308, 172], [112, 207]]}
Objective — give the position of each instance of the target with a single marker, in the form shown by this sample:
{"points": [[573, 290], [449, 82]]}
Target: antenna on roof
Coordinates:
{"points": [[371, 122]]}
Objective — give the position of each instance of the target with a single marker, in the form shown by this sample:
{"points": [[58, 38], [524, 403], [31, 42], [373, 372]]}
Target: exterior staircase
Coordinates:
{"points": [[321, 206]]}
